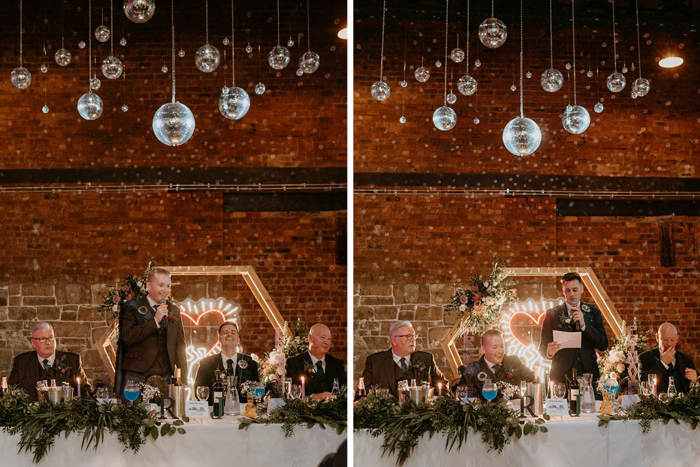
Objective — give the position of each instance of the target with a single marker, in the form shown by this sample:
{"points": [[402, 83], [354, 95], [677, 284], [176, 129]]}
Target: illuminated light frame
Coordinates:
{"points": [[590, 281], [107, 349]]}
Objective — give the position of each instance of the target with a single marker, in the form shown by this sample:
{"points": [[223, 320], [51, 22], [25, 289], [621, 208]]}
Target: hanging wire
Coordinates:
{"points": [[639, 52], [172, 42], [467, 64], [522, 114], [551, 38], [20, 32], [278, 21], [206, 22], [308, 28], [233, 43], [492, 1], [63, 22], [89, 44], [614, 37], [381, 59], [447, 13], [573, 45], [111, 27]]}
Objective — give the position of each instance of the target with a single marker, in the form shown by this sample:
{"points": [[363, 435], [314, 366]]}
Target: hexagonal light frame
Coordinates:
{"points": [[590, 281], [107, 349]]}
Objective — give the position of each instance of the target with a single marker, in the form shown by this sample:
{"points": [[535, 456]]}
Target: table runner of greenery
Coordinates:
{"points": [[650, 408]]}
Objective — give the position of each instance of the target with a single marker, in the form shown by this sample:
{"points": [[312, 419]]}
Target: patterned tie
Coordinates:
{"points": [[46, 364], [319, 367], [404, 365], [229, 367]]}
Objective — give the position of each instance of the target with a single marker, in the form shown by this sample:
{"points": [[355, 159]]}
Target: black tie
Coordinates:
{"points": [[319, 367], [404, 366], [229, 367], [46, 364], [670, 366]]}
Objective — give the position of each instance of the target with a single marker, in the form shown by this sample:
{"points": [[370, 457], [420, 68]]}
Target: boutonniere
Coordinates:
{"points": [[585, 308], [419, 367], [171, 318], [242, 364], [309, 369], [481, 376], [565, 319]]}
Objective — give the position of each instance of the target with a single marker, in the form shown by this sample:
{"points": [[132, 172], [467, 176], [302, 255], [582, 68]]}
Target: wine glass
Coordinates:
{"points": [[296, 391], [462, 393], [645, 387], [131, 391], [202, 393], [489, 391], [559, 390], [287, 387]]}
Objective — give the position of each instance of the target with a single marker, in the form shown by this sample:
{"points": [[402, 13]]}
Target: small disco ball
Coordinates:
{"points": [[260, 89], [641, 86], [476, 120], [206, 58], [62, 57], [90, 106], [45, 109], [589, 73], [598, 107], [513, 88], [43, 68], [122, 41], [173, 124], [164, 69], [112, 67], [422, 74], [625, 69], [234, 103], [380, 91], [438, 63], [522, 136], [299, 72], [528, 75], [102, 33], [290, 42], [457, 55], [403, 83], [21, 77], [95, 83], [139, 11], [575, 119], [125, 108], [466, 85], [477, 63], [181, 53], [451, 98], [226, 41], [444, 118], [309, 62], [248, 49], [616, 82], [81, 44], [551, 80], [492, 33], [278, 57], [402, 119], [567, 66]]}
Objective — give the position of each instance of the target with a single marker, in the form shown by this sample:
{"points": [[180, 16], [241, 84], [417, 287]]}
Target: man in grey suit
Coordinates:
{"points": [[402, 361]]}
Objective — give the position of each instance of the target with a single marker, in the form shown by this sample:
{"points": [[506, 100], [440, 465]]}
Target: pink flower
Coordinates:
{"points": [[463, 298]]}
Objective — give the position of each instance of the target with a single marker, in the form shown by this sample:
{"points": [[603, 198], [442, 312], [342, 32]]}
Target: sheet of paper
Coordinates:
{"points": [[568, 340]]}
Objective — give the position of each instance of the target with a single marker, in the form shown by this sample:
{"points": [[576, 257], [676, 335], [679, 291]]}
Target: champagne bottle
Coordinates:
{"points": [[573, 391], [361, 391], [336, 388]]}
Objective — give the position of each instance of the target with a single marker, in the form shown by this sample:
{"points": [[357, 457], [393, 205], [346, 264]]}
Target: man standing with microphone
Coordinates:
{"points": [[151, 335], [573, 316]]}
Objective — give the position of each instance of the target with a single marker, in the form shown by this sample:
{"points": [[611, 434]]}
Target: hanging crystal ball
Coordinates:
{"points": [[551, 80], [234, 103], [422, 74], [598, 107], [457, 55], [290, 42], [633, 94], [299, 72], [624, 69], [616, 82], [43, 68], [576, 119], [164, 68], [528, 75], [466, 85], [139, 11], [278, 58], [476, 120], [492, 33], [380, 91], [125, 108], [438, 63], [95, 83], [112, 67], [477, 63], [81, 44], [181, 53], [641, 86], [567, 66], [589, 73], [226, 41], [62, 57], [403, 83], [122, 41], [173, 124], [21, 77], [45, 109], [451, 98], [513, 88], [444, 118], [402, 119], [260, 89], [248, 49], [522, 136], [102, 33], [90, 106], [206, 58], [309, 62]]}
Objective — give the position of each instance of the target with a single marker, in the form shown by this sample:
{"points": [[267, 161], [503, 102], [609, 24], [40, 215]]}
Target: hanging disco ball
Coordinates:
{"points": [[21, 78], [309, 62], [95, 83], [575, 119], [248, 48], [457, 55], [451, 98], [522, 136], [444, 118], [102, 33], [299, 72], [466, 85], [403, 83], [422, 74], [122, 41], [43, 68], [551, 80], [278, 58], [234, 103], [125, 108], [598, 107], [206, 58], [173, 124], [380, 91], [62, 57], [112, 67], [139, 11], [45, 109], [492, 33], [402, 119], [260, 89], [616, 82], [90, 106], [81, 44], [641, 86]]}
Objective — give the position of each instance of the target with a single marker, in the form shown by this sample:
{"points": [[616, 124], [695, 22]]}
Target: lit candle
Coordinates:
{"points": [[303, 391], [439, 389], [78, 381], [654, 385]]}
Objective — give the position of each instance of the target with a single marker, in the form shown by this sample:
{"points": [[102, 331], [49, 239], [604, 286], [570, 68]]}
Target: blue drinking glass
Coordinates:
{"points": [[489, 391], [131, 391]]}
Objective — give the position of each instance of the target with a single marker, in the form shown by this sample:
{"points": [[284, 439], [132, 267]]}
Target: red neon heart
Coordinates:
{"points": [[199, 317], [537, 321]]}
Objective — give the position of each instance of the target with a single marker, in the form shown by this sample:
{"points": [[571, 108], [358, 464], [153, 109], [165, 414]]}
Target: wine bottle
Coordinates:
{"points": [[672, 391], [217, 389], [361, 391], [573, 391]]}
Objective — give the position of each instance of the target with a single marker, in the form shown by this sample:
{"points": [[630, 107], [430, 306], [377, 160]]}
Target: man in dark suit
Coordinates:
{"points": [[229, 361], [317, 366], [573, 316], [151, 334], [495, 365], [666, 361], [401, 362], [44, 362]]}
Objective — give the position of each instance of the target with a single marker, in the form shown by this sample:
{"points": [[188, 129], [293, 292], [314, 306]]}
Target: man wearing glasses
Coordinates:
{"points": [[401, 362], [45, 363]]}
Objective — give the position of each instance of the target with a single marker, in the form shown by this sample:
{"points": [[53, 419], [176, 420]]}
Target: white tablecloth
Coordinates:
{"points": [[571, 442], [212, 443]]}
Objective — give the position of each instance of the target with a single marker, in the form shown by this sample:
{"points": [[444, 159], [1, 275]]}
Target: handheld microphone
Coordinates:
{"points": [[577, 325], [163, 302]]}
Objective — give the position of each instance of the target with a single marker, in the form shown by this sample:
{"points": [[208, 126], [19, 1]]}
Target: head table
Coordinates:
{"points": [[569, 442], [206, 443]]}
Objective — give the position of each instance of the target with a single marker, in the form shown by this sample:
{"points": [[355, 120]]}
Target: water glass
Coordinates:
{"points": [[646, 388], [462, 393], [287, 387], [202, 393], [296, 391]]}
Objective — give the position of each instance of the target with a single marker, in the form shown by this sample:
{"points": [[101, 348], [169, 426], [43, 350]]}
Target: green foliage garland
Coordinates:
{"points": [[650, 408]]}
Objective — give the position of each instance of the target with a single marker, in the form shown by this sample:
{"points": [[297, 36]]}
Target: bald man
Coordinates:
{"points": [[667, 360], [317, 366]]}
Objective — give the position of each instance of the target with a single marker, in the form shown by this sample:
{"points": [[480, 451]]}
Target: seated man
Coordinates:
{"points": [[667, 360], [495, 365], [44, 362], [229, 361], [401, 362], [317, 366]]}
